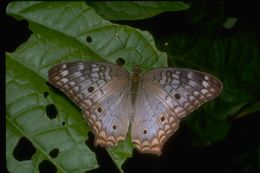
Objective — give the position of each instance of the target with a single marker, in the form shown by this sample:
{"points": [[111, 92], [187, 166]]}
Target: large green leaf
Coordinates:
{"points": [[62, 32], [28, 117], [134, 10]]}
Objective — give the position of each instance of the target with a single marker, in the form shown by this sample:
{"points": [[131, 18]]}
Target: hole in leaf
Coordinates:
{"points": [[120, 61], [90, 89], [51, 111], [63, 123], [47, 166], [89, 39], [177, 96], [45, 94], [19, 33], [24, 150], [54, 153]]}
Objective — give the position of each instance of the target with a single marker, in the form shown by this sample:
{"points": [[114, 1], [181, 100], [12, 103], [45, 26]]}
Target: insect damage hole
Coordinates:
{"points": [[54, 153], [51, 111], [120, 61], [89, 39], [23, 145], [45, 94], [145, 131], [90, 89], [177, 96], [47, 166]]}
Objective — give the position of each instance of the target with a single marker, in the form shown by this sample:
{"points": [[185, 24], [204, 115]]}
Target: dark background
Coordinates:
{"points": [[239, 151]]}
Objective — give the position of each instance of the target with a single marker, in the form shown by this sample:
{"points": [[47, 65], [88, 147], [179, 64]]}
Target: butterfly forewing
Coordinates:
{"points": [[183, 90], [86, 82], [153, 122], [101, 91]]}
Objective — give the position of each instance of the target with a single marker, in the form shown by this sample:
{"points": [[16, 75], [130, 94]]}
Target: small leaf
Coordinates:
{"points": [[230, 22]]}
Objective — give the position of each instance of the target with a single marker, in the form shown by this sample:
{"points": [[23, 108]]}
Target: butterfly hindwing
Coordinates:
{"points": [[153, 122], [109, 119], [101, 91]]}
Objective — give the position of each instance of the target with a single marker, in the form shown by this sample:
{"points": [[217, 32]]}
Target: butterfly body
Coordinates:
{"points": [[153, 103], [134, 87]]}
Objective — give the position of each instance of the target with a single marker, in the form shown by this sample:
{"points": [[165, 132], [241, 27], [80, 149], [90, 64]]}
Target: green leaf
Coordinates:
{"points": [[135, 10], [26, 117], [230, 22], [63, 31]]}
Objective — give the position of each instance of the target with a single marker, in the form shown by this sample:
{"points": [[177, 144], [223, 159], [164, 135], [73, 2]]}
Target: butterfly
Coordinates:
{"points": [[153, 104]]}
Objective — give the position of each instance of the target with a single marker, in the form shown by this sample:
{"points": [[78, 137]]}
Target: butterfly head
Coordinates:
{"points": [[136, 69], [136, 72]]}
